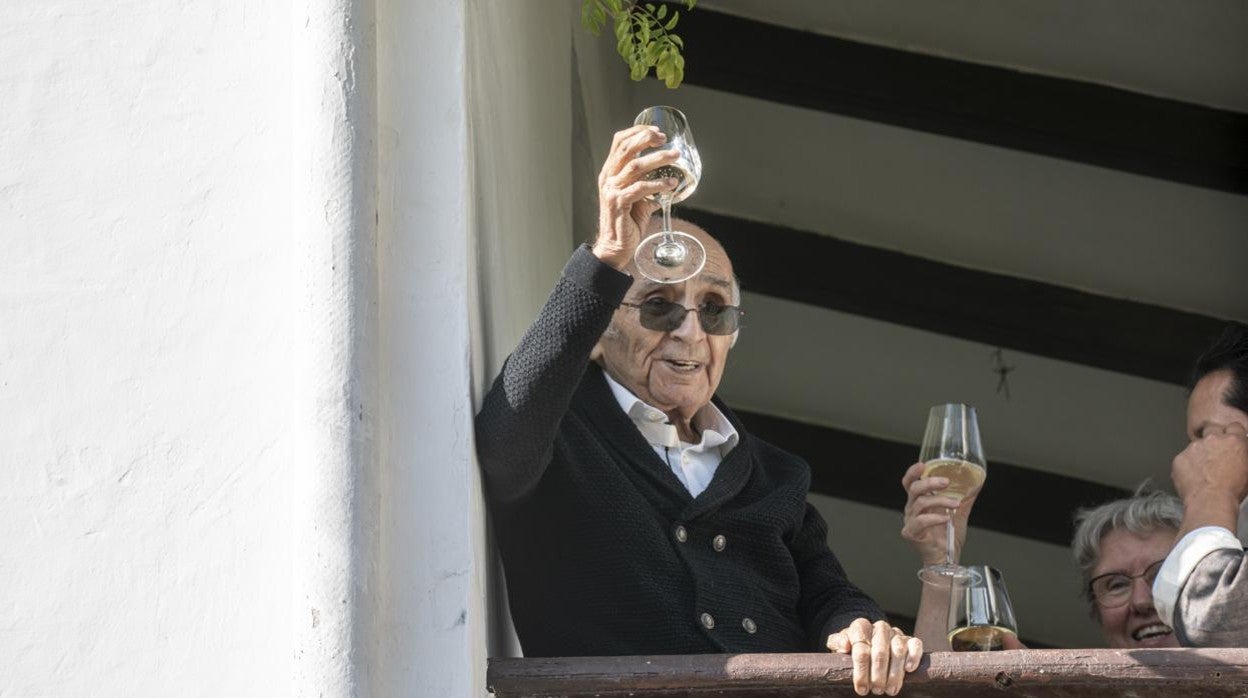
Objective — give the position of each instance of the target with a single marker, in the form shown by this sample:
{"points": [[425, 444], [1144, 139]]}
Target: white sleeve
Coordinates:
{"points": [[1180, 563]]}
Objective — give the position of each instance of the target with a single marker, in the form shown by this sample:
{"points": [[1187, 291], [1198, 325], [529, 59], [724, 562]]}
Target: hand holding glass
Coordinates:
{"points": [[670, 256], [951, 449]]}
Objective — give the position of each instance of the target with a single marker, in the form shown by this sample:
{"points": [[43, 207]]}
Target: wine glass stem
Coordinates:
{"points": [[949, 538], [665, 200]]}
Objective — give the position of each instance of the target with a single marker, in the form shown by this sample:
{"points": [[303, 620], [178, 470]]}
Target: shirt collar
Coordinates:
{"points": [[717, 431]]}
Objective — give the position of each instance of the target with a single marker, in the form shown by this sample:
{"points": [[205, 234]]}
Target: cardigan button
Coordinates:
{"points": [[708, 621], [719, 543], [681, 534], [749, 625]]}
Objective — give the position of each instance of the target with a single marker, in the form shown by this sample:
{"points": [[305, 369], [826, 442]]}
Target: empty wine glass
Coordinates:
{"points": [[951, 449], [671, 256], [980, 613]]}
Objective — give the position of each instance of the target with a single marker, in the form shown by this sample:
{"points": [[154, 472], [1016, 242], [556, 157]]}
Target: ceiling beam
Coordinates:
{"points": [[994, 309], [1068, 119], [1017, 500]]}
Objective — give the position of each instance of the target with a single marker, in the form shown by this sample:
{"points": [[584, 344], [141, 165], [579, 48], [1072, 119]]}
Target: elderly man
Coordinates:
{"points": [[634, 512], [1202, 588]]}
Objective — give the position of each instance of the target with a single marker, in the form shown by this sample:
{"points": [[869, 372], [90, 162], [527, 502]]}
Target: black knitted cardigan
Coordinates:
{"points": [[605, 551]]}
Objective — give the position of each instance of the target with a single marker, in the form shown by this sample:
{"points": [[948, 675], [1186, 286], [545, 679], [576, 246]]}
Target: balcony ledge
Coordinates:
{"points": [[1099, 672]]}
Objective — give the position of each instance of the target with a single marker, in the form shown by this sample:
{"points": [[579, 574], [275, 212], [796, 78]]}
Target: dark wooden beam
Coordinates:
{"points": [[1061, 118], [997, 310], [864, 469]]}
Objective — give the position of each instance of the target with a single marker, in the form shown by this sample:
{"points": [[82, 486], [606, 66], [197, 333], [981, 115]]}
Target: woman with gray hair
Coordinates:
{"points": [[1119, 547]]}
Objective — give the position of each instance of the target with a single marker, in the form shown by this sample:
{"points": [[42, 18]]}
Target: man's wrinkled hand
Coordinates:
{"points": [[882, 655], [623, 209]]}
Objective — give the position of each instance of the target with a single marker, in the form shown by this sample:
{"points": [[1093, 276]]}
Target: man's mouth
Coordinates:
{"points": [[682, 365], [1150, 631]]}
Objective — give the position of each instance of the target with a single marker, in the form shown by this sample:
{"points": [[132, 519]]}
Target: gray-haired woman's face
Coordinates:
{"points": [[1134, 622]]}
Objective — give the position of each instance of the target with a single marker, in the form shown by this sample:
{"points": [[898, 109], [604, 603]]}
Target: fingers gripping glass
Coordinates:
{"points": [[952, 449], [671, 256], [664, 316], [1113, 589]]}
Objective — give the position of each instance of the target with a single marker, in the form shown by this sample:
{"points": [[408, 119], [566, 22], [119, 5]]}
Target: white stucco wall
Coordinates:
{"points": [[146, 286], [256, 263]]}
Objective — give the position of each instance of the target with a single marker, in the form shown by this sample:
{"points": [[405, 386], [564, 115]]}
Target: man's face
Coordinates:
{"points": [[1206, 407], [676, 371]]}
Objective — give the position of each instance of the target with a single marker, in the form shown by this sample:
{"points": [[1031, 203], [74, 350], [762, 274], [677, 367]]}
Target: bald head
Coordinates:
{"points": [[718, 264]]}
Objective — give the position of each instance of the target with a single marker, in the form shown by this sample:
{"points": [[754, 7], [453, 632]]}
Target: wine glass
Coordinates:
{"points": [[671, 256], [951, 449], [980, 613]]}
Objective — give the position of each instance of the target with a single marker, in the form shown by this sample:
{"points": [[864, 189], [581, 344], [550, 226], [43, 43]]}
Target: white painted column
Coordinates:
{"points": [[334, 193], [431, 624]]}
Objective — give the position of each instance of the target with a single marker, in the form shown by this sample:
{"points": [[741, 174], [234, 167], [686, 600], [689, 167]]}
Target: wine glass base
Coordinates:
{"points": [[946, 574], [670, 257]]}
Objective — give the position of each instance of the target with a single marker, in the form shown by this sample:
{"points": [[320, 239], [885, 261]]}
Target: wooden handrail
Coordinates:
{"points": [[1100, 672]]}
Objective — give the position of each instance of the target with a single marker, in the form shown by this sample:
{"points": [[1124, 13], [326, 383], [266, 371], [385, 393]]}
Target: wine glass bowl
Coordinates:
{"points": [[952, 449], [980, 612], [687, 169], [671, 256]]}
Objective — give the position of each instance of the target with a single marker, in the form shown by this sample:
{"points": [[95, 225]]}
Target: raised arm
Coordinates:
{"points": [[1202, 588], [519, 417], [923, 527]]}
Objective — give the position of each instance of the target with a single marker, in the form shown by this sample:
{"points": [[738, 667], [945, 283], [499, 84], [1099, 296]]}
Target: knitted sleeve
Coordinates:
{"points": [[829, 601], [520, 415]]}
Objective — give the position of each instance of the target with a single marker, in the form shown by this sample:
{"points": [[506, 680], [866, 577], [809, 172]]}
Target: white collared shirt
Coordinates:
{"points": [[1182, 561], [693, 464]]}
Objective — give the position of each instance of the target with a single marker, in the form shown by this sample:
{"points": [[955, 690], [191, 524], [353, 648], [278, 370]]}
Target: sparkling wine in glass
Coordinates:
{"points": [[951, 449], [980, 613], [671, 256]]}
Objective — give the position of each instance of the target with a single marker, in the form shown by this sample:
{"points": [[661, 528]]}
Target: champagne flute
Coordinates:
{"points": [[951, 449], [980, 613], [670, 256]]}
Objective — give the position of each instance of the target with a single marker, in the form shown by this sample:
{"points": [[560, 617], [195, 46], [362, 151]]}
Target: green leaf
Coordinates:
{"points": [[671, 24], [662, 11], [677, 40], [689, 5], [652, 51]]}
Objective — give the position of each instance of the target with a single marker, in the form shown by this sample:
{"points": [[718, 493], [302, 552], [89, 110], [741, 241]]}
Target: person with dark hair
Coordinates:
{"points": [[634, 512], [1202, 589]]}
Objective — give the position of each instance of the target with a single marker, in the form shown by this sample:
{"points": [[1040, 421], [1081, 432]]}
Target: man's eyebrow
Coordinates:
{"points": [[713, 279]]}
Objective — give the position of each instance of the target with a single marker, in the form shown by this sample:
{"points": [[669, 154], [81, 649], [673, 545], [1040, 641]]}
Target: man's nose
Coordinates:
{"points": [[690, 328]]}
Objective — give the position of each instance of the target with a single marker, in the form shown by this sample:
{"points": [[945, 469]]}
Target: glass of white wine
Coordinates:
{"points": [[980, 613], [952, 449], [671, 256]]}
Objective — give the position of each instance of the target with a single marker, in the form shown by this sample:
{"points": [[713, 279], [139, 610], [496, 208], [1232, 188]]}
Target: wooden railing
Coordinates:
{"points": [[1143, 673]]}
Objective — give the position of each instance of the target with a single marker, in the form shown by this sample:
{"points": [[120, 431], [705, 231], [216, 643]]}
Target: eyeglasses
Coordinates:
{"points": [[1113, 589], [664, 316]]}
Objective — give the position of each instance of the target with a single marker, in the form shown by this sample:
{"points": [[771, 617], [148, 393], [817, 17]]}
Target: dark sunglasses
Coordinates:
{"points": [[664, 316]]}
